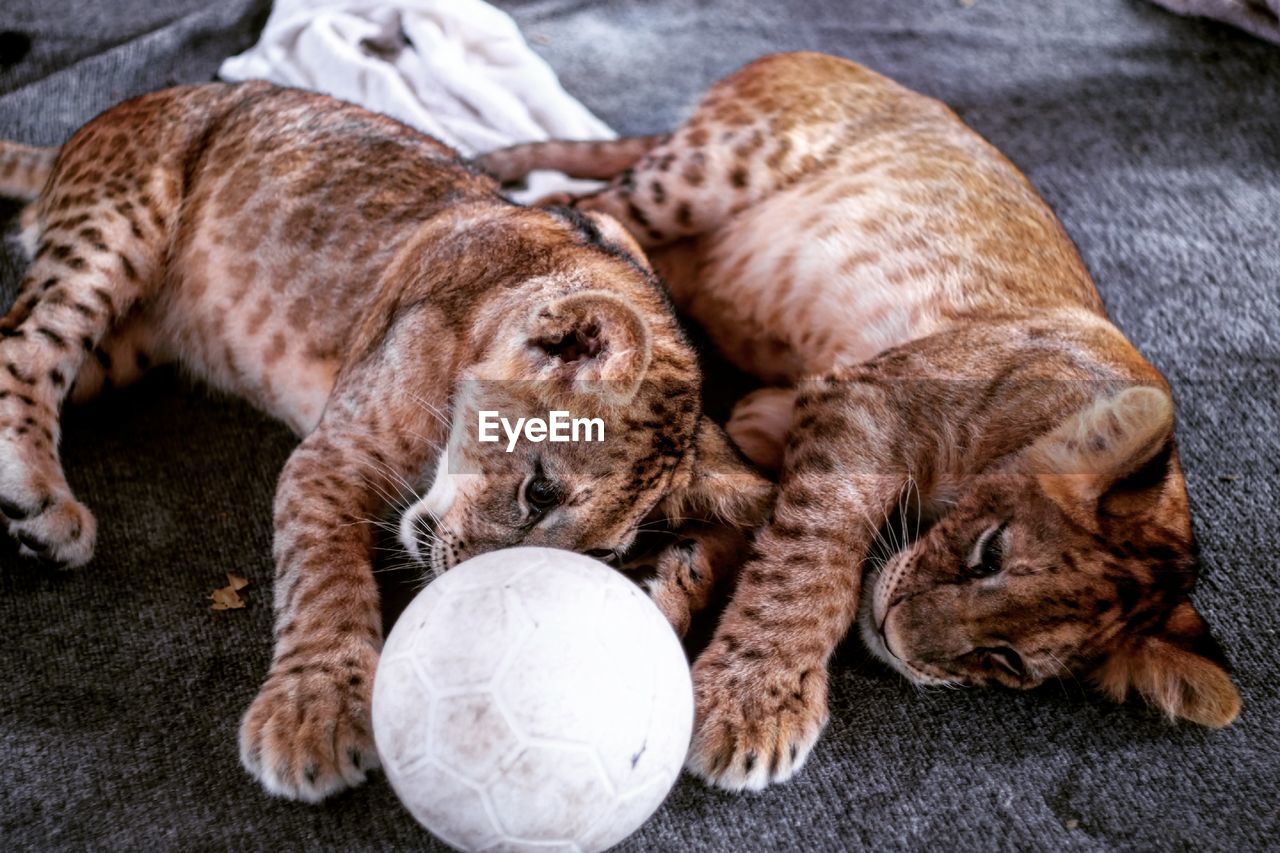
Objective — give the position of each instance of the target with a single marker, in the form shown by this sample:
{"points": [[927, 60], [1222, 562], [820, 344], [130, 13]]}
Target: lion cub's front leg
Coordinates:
{"points": [[308, 733], [761, 685]]}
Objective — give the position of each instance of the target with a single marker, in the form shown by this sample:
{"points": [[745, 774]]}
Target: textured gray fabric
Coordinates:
{"points": [[1260, 17], [1156, 138]]}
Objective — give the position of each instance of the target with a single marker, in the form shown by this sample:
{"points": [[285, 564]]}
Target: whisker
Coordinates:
{"points": [[431, 409], [1063, 668], [399, 567], [915, 487], [395, 478], [394, 501]]}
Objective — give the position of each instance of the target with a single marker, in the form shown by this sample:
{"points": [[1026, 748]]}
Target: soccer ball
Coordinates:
{"points": [[532, 699]]}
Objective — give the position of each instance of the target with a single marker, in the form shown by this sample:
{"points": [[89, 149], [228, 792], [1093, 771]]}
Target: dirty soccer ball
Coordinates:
{"points": [[532, 697]]}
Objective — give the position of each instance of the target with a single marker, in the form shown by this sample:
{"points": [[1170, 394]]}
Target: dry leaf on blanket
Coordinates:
{"points": [[228, 598]]}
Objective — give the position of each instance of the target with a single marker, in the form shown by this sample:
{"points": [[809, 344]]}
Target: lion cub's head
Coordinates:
{"points": [[588, 350], [1078, 558]]}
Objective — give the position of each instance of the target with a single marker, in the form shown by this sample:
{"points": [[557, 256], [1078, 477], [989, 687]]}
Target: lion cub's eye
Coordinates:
{"points": [[988, 552], [1008, 660], [541, 494]]}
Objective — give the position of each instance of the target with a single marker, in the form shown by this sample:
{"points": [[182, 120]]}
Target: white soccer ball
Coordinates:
{"points": [[532, 699]]}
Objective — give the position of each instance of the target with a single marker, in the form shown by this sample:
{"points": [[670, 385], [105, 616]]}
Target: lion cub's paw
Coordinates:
{"points": [[760, 423], [681, 585], [755, 722], [49, 524], [688, 574], [308, 734], [63, 531]]}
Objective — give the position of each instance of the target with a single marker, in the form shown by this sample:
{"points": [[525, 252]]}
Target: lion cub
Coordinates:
{"points": [[947, 353], [353, 278]]}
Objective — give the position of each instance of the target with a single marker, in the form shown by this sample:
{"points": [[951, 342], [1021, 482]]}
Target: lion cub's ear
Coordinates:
{"points": [[715, 481], [1182, 671], [613, 232], [1101, 445], [588, 351]]}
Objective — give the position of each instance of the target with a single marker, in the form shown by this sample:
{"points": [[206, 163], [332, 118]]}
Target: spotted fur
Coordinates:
{"points": [[354, 279], [946, 362]]}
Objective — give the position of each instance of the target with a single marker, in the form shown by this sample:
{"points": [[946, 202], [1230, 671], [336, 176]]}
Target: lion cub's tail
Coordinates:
{"points": [[24, 169], [595, 159]]}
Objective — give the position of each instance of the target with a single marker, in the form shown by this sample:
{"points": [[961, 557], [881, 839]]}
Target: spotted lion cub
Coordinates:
{"points": [[353, 278], [946, 350]]}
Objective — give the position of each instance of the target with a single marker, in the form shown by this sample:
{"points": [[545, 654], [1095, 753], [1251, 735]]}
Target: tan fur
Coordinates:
{"points": [[951, 363], [24, 170], [602, 160], [1184, 684], [353, 278]]}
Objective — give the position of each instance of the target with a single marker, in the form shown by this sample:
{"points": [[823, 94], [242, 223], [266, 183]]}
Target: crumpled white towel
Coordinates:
{"points": [[457, 69]]}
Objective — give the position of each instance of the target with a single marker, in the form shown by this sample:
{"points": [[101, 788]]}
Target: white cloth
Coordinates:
{"points": [[456, 69]]}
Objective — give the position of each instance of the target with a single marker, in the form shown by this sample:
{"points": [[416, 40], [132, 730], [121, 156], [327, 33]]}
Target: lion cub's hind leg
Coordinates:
{"points": [[95, 255], [127, 352]]}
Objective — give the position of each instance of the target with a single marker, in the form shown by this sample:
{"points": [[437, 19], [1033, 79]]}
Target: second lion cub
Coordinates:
{"points": [[939, 335]]}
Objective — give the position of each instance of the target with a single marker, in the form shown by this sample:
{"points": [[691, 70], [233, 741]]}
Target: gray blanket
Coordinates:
{"points": [[1260, 17], [1157, 140]]}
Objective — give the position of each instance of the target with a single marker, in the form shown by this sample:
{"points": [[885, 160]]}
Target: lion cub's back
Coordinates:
{"points": [[880, 218], [262, 219]]}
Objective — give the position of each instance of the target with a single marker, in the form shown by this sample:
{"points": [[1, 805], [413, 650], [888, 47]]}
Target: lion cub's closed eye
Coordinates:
{"points": [[1080, 561]]}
